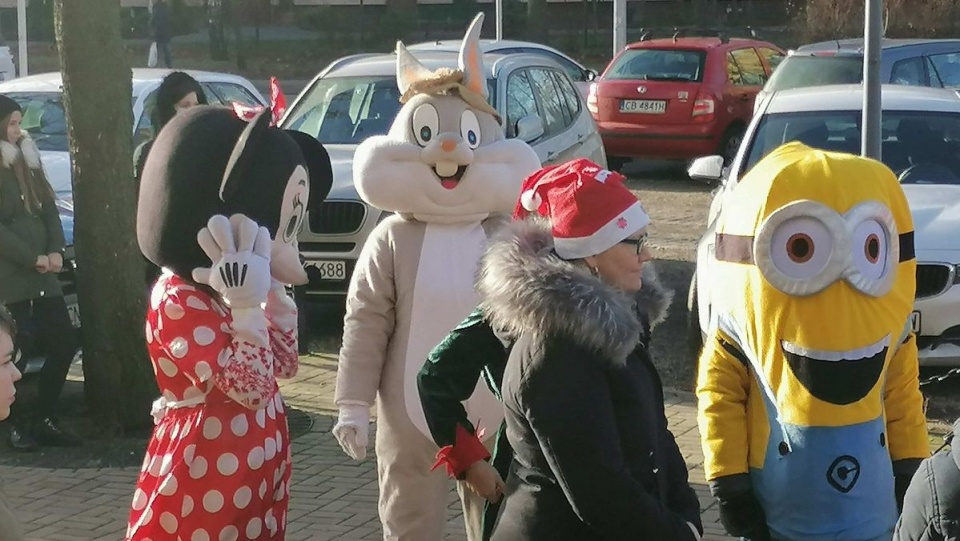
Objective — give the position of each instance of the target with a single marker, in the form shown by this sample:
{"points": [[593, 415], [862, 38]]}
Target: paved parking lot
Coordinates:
{"points": [[332, 497]]}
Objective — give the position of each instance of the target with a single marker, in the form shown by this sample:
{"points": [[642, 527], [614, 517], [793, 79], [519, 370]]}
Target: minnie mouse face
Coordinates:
{"points": [[207, 161], [285, 266]]}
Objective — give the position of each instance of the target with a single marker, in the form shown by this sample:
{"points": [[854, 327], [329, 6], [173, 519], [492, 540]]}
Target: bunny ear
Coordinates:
{"points": [[409, 69], [471, 58]]}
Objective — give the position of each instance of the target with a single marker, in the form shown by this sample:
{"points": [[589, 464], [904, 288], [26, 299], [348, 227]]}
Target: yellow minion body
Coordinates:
{"points": [[817, 277]]}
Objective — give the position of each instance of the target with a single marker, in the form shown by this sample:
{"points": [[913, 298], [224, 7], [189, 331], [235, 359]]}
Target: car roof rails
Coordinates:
{"points": [[722, 35]]}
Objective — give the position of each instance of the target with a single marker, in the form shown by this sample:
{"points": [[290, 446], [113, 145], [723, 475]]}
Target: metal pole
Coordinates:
{"points": [[499, 20], [619, 25], [872, 112], [22, 36]]}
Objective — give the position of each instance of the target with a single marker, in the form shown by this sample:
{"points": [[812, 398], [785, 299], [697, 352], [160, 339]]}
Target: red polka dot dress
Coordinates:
{"points": [[217, 467]]}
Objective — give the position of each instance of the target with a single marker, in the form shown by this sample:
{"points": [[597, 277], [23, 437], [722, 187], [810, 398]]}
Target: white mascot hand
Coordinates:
{"points": [[353, 430], [240, 252]]}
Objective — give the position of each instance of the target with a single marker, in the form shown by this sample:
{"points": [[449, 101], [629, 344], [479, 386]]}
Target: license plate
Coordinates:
{"points": [[649, 107], [74, 311], [330, 270], [915, 322]]}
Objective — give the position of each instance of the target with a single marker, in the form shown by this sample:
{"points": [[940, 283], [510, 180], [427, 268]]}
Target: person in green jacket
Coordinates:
{"points": [[31, 255]]}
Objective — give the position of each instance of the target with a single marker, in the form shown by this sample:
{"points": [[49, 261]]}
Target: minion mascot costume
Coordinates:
{"points": [[809, 403]]}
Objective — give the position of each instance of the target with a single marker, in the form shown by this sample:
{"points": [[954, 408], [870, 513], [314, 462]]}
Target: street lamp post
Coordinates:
{"points": [[619, 25], [872, 113], [22, 36]]}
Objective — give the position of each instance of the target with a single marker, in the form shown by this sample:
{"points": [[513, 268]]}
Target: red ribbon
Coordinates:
{"points": [[278, 105]]}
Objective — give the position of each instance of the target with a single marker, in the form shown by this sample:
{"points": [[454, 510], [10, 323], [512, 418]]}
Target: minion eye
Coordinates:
{"points": [[870, 247], [801, 248]]}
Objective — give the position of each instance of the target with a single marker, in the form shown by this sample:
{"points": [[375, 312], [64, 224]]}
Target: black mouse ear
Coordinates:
{"points": [[243, 153], [318, 166]]}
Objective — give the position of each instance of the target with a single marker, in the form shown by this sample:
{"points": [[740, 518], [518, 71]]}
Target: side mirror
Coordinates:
{"points": [[589, 74], [708, 168], [529, 128]]}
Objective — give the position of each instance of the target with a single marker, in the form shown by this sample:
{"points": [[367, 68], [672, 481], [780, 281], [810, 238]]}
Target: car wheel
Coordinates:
{"points": [[694, 333], [616, 164], [731, 143]]}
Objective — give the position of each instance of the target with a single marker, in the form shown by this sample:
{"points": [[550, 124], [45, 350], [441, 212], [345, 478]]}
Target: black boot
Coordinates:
{"points": [[21, 440], [49, 432]]}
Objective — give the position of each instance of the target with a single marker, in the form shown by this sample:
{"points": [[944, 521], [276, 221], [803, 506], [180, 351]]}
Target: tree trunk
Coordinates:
{"points": [[118, 381]]}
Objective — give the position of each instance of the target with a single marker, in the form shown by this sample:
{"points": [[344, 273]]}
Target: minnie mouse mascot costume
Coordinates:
{"points": [[221, 328]]}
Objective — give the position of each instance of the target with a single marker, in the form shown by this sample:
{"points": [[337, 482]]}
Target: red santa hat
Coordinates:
{"points": [[590, 209]]}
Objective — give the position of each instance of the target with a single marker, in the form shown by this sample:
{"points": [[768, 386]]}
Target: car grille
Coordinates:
{"points": [[933, 279], [337, 218]]}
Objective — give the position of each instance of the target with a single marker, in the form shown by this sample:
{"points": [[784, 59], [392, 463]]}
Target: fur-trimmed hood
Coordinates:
{"points": [[10, 151], [524, 289]]}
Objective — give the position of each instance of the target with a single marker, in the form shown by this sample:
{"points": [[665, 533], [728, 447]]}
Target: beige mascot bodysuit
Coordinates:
{"points": [[449, 175]]}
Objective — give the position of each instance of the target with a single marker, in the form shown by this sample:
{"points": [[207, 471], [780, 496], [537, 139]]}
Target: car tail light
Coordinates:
{"points": [[592, 99], [703, 109]]}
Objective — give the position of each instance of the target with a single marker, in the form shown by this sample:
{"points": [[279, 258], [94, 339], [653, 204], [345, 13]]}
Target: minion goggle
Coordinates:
{"points": [[805, 246]]}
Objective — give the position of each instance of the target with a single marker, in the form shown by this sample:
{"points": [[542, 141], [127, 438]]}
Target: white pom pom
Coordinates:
{"points": [[530, 200]]}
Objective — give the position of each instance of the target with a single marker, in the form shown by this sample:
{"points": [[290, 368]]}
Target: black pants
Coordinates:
{"points": [[44, 328]]}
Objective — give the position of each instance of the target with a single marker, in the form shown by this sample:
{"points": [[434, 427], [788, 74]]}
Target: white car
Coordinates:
{"points": [[581, 75], [41, 97], [921, 144], [357, 96]]}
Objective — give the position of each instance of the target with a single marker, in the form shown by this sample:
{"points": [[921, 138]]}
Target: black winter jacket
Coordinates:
{"points": [[931, 507], [593, 458]]}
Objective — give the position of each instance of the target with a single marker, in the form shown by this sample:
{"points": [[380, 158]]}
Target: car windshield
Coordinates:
{"points": [[799, 71], [658, 65], [920, 147], [44, 118], [347, 110]]}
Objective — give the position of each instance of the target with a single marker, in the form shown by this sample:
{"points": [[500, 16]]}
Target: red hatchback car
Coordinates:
{"points": [[680, 98]]}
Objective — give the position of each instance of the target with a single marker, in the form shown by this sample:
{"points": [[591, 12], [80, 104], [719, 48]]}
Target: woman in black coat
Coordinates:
{"points": [[593, 458]]}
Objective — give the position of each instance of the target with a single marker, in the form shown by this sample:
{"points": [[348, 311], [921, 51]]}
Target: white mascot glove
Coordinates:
{"points": [[353, 429], [240, 252]]}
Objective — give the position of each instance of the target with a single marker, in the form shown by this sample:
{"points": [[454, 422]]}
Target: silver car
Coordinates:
{"points": [[357, 96]]}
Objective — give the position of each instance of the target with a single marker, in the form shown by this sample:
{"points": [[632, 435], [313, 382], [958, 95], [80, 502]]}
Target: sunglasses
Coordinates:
{"points": [[639, 243]]}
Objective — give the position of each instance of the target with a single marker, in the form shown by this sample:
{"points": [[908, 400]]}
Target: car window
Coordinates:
{"points": [[658, 65], [908, 72], [231, 92], [347, 110], [799, 71], [44, 118], [570, 95], [947, 68], [554, 106], [772, 56], [744, 68], [574, 71], [920, 147], [520, 100]]}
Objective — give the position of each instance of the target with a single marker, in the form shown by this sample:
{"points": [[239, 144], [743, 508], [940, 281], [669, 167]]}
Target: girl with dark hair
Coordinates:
{"points": [[177, 91], [31, 254]]}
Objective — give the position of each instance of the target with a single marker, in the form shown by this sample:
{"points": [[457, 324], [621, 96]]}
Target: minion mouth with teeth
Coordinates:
{"points": [[808, 392]]}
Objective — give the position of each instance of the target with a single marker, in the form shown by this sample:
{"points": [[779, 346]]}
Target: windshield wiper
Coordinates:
{"points": [[656, 77]]}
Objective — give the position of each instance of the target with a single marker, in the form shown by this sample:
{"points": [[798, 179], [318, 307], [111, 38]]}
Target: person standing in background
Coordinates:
{"points": [[160, 29], [31, 255]]}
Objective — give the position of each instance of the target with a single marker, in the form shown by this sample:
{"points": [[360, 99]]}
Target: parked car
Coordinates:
{"points": [[41, 97], [578, 73], [357, 96], [679, 98], [920, 62], [921, 144]]}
